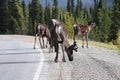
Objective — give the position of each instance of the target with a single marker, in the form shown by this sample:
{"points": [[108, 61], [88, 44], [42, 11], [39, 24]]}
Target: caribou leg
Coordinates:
{"points": [[63, 59], [83, 42], [74, 37], [50, 49], [56, 50], [43, 42], [86, 38], [40, 41], [46, 42], [51, 45], [35, 41]]}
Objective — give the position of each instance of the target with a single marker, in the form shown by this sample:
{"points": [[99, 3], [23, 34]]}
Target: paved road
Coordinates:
{"points": [[18, 61]]}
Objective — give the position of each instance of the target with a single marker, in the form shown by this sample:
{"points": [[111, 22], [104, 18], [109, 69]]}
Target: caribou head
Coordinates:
{"points": [[70, 49]]}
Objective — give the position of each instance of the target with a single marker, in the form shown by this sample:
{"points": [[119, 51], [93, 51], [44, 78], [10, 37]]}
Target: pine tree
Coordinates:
{"points": [[78, 11], [69, 21], [23, 7], [69, 5], [41, 12], [47, 14], [116, 21], [103, 22], [30, 25], [34, 14], [16, 17], [25, 14], [4, 16], [95, 11], [55, 9], [72, 6]]}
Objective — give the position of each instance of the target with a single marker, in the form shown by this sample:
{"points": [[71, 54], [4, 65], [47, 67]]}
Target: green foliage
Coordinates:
{"points": [[34, 14], [115, 21], [3, 16], [17, 19], [41, 18], [69, 5], [47, 16], [72, 6], [23, 7], [78, 10], [103, 20], [55, 9], [69, 21], [118, 39]]}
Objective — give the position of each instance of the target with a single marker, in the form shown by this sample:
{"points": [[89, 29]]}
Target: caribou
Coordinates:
{"points": [[41, 32], [60, 36], [84, 31]]}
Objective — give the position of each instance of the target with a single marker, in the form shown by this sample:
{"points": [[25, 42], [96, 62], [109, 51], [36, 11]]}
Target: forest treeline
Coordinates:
{"points": [[17, 17]]}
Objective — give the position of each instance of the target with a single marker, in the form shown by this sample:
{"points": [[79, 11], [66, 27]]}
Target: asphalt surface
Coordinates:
{"points": [[19, 61]]}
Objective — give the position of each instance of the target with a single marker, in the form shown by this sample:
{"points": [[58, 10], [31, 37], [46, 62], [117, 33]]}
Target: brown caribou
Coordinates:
{"points": [[60, 36], [42, 31], [84, 31]]}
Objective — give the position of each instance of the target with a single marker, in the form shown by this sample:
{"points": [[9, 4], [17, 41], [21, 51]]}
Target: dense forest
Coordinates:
{"points": [[17, 17]]}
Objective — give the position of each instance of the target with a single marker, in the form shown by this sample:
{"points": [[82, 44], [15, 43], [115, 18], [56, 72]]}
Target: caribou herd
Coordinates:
{"points": [[57, 34]]}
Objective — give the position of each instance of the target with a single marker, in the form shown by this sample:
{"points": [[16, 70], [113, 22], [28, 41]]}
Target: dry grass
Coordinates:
{"points": [[104, 45], [99, 44]]}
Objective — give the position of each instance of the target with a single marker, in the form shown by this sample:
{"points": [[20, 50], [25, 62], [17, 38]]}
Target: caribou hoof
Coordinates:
{"points": [[42, 47], [56, 60], [63, 60], [34, 48], [82, 46]]}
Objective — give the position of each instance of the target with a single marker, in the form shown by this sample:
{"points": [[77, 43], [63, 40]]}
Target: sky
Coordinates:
{"points": [[63, 3]]}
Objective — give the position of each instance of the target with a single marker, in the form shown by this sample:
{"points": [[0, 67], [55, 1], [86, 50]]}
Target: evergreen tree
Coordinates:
{"points": [[3, 16], [25, 13], [34, 14], [72, 6], [47, 14], [16, 17], [69, 21], [103, 22], [95, 11], [55, 9], [30, 25], [41, 14], [69, 5], [116, 21], [78, 11], [23, 7]]}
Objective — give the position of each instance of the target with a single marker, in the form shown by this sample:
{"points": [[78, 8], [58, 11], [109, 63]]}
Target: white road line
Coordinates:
{"points": [[39, 68]]}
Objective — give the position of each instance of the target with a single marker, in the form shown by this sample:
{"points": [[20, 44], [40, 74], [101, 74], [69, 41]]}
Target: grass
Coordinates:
{"points": [[99, 44], [104, 45]]}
